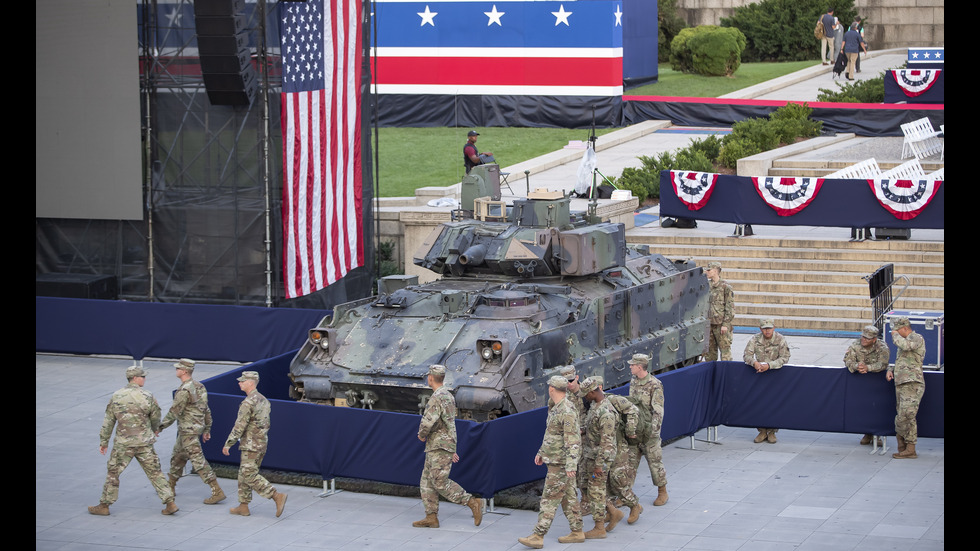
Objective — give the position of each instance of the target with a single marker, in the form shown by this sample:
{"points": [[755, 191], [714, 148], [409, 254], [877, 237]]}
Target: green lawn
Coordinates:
{"points": [[673, 83], [416, 157]]}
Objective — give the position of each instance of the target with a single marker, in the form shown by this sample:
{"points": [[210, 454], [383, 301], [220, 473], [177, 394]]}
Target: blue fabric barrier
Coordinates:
{"points": [[141, 329], [840, 203], [383, 446]]}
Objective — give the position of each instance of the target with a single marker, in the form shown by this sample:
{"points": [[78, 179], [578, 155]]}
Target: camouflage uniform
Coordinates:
{"points": [[622, 474], [650, 392], [438, 428], [193, 416], [721, 312], [252, 427], [135, 415], [875, 357], [774, 351], [910, 383], [600, 451], [560, 450]]}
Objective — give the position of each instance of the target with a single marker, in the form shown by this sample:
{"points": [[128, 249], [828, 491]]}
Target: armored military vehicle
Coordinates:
{"points": [[524, 288]]}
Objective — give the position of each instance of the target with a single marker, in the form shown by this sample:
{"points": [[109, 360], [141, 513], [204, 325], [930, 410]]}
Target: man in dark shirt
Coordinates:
{"points": [[471, 157], [827, 43], [853, 43]]}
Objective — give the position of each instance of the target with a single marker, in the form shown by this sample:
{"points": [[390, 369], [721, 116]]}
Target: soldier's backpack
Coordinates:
{"points": [[820, 32], [644, 426]]}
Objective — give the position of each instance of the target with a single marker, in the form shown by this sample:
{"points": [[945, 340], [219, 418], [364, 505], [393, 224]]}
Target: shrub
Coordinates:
{"points": [[871, 90], [707, 50], [782, 30], [669, 24], [710, 146], [640, 182], [752, 136]]}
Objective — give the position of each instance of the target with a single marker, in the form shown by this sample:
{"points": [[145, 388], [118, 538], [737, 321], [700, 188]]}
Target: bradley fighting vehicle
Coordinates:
{"points": [[524, 289]]}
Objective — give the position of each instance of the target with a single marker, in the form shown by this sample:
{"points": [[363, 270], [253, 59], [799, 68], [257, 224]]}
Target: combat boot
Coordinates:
{"points": [[476, 506], [771, 436], [574, 537], [866, 441], [173, 484], [615, 515], [761, 437], [430, 521], [280, 499], [901, 442], [171, 508], [662, 496], [242, 510], [533, 541], [908, 453], [597, 533], [634, 513], [101, 509], [217, 495]]}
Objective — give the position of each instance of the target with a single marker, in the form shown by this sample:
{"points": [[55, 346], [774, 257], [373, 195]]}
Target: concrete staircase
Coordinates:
{"points": [[812, 284]]}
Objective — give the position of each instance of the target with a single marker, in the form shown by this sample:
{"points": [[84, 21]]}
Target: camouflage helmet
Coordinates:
{"points": [[640, 359], [869, 332], [134, 371], [437, 370], [766, 323], [185, 364], [249, 376], [714, 266], [901, 322], [567, 371], [558, 382]]}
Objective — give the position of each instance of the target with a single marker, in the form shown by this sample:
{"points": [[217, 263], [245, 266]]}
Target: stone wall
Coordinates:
{"points": [[891, 23]]}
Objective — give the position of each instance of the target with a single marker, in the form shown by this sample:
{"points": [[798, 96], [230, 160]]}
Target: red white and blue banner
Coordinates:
{"points": [[693, 188], [499, 47], [787, 196], [321, 204], [915, 82], [904, 198]]}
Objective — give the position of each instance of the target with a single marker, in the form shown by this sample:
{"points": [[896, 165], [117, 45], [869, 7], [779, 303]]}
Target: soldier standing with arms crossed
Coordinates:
{"points": [[560, 450], [193, 416], [252, 427], [135, 414], [766, 350], [438, 431], [910, 385], [648, 391], [866, 355]]}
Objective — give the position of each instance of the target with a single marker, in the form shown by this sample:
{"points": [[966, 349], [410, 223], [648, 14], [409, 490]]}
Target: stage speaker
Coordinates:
{"points": [[223, 45], [77, 286]]}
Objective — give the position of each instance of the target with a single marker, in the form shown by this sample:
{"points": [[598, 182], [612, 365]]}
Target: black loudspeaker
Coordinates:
{"points": [[223, 44], [77, 286]]}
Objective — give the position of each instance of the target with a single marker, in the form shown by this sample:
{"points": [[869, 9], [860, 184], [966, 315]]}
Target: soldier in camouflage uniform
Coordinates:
{"points": [[622, 474], [766, 350], [251, 430], [721, 312], [649, 392], [599, 451], [438, 431], [867, 355], [560, 450], [910, 385], [576, 398], [193, 416], [135, 415]]}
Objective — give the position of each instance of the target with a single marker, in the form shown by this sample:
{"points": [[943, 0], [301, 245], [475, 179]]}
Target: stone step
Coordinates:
{"points": [[844, 290], [922, 281], [853, 267], [660, 240], [803, 322], [807, 310], [803, 253], [832, 301]]}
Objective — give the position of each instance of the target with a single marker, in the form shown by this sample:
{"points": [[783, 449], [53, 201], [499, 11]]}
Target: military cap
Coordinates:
{"points": [[135, 371], [472, 133], [249, 376], [598, 379], [714, 265], [901, 322], [437, 370], [641, 359], [567, 371], [185, 364], [589, 384], [559, 382], [766, 323], [869, 332]]}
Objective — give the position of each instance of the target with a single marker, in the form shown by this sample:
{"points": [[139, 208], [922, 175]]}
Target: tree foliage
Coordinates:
{"points": [[782, 30]]}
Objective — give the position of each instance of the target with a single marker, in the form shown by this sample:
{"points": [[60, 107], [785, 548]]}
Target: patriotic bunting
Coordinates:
{"points": [[693, 188], [787, 196], [904, 198], [915, 82]]}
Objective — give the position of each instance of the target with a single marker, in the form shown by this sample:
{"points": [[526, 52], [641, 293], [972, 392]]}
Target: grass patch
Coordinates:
{"points": [[411, 158], [674, 83]]}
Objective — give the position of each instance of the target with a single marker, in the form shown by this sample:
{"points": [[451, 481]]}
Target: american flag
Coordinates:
{"points": [[321, 204]]}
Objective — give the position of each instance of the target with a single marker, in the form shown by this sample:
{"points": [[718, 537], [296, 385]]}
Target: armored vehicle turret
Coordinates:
{"points": [[524, 289]]}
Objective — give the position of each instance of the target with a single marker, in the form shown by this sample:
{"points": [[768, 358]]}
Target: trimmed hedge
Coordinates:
{"points": [[871, 90], [707, 50]]}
